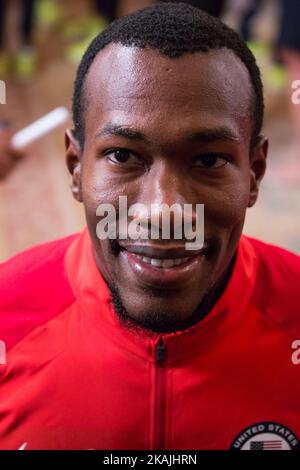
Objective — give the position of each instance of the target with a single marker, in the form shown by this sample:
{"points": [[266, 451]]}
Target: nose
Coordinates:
{"points": [[166, 193], [164, 184]]}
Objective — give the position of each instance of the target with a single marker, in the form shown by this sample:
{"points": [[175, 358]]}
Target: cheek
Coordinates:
{"points": [[227, 207], [96, 189], [102, 185]]}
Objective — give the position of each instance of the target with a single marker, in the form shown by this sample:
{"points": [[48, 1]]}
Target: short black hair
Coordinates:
{"points": [[173, 29]]}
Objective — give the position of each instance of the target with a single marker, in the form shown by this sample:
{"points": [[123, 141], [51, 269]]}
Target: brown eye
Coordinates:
{"points": [[122, 156], [211, 161]]}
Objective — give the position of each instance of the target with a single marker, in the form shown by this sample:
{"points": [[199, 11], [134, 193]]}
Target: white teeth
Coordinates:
{"points": [[162, 263], [168, 263], [157, 262]]}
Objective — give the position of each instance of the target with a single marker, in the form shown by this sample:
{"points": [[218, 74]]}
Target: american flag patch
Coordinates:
{"points": [[266, 445]]}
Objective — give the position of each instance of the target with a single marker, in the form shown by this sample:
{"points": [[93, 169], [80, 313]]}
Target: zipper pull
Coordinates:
{"points": [[160, 351]]}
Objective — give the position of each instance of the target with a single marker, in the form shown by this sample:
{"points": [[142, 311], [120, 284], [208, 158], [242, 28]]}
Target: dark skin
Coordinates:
{"points": [[190, 135]]}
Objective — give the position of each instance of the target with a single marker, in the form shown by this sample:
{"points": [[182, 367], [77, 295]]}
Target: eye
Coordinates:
{"points": [[211, 160], [122, 156]]}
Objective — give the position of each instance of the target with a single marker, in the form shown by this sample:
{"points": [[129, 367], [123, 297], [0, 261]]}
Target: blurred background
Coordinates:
{"points": [[41, 43]]}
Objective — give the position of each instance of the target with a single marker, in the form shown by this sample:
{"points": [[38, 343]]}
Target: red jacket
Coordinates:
{"points": [[75, 378]]}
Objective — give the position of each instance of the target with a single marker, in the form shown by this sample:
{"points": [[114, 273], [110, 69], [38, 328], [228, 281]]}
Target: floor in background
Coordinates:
{"points": [[35, 201]]}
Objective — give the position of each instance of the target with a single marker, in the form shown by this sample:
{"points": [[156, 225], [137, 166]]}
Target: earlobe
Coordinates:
{"points": [[73, 160], [258, 165]]}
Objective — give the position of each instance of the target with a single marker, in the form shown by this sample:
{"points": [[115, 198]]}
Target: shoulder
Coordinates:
{"points": [[276, 261], [34, 288], [277, 286]]}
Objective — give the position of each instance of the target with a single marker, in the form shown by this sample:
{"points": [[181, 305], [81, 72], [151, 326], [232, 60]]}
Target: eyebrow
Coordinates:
{"points": [[203, 136], [122, 131], [214, 135]]}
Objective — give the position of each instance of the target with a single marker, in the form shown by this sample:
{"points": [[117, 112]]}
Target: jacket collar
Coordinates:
{"points": [[94, 303]]}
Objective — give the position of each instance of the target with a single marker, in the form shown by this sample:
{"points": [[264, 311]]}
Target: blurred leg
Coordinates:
{"points": [[107, 8], [25, 60], [213, 7], [2, 21], [247, 17], [27, 21]]}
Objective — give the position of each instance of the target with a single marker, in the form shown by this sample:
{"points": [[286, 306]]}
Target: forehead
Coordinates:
{"points": [[131, 86]]}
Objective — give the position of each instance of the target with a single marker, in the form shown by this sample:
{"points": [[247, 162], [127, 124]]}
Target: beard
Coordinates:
{"points": [[160, 320]]}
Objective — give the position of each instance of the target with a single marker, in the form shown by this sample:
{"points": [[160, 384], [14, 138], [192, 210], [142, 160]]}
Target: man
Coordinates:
{"points": [[130, 344]]}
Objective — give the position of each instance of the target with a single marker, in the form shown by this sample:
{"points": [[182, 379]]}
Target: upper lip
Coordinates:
{"points": [[160, 251]]}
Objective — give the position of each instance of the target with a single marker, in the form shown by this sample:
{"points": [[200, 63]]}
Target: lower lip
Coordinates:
{"points": [[162, 277]]}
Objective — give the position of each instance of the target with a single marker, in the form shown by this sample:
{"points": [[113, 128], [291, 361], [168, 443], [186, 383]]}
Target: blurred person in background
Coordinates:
{"points": [[108, 8], [82, 30], [250, 12], [9, 156], [213, 7], [112, 331], [289, 49], [260, 41], [24, 60]]}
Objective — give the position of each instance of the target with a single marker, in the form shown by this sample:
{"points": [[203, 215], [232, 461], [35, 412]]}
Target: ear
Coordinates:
{"points": [[258, 165], [73, 160]]}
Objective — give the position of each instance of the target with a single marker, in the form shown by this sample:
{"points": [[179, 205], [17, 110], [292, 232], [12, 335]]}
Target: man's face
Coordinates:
{"points": [[161, 130]]}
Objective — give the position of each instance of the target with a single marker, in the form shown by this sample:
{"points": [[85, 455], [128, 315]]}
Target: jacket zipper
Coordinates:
{"points": [[160, 396]]}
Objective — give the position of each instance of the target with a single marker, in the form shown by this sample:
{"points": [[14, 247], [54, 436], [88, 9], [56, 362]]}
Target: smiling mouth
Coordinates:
{"points": [[162, 263], [160, 256]]}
